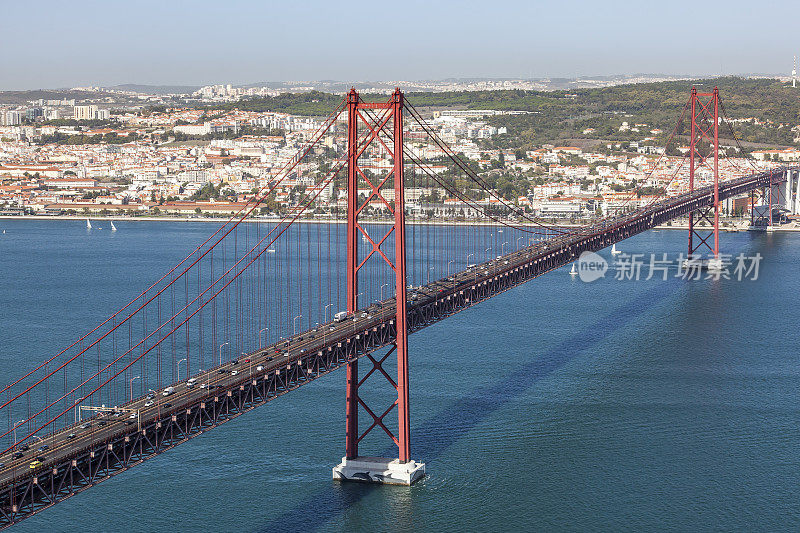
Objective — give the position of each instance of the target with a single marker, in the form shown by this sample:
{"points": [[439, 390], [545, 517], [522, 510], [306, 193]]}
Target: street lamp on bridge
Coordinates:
{"points": [[448, 270], [15, 430], [130, 382], [220, 351], [179, 367], [355, 316]]}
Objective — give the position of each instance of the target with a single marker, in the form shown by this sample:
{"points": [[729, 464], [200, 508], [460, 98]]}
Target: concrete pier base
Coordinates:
{"points": [[712, 264], [378, 470]]}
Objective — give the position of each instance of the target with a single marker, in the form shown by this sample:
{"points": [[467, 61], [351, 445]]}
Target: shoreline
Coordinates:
{"points": [[682, 227]]}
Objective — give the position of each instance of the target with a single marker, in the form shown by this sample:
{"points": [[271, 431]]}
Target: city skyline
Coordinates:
{"points": [[243, 42]]}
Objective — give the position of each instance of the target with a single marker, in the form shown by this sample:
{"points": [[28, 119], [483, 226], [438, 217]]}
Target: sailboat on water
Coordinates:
{"points": [[574, 271], [614, 250], [88, 224], [113, 227]]}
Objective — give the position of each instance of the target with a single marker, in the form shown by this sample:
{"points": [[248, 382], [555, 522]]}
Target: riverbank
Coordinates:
{"points": [[735, 226]]}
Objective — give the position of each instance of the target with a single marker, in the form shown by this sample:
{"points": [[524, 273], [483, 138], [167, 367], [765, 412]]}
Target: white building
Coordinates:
{"points": [[90, 112]]}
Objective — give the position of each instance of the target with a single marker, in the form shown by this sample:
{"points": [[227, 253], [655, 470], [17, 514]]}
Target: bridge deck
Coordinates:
{"points": [[79, 457]]}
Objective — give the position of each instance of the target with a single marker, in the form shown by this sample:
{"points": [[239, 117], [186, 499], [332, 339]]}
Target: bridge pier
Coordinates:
{"points": [[771, 201], [796, 184], [378, 470], [787, 202]]}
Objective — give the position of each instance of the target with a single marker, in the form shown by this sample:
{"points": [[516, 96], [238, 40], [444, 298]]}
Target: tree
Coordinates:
{"points": [[208, 191]]}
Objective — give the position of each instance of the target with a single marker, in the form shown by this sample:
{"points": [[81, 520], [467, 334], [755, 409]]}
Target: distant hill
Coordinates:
{"points": [[566, 114], [20, 97], [156, 89]]}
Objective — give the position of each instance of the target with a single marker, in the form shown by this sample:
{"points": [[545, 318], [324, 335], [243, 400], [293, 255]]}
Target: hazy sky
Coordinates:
{"points": [[46, 44]]}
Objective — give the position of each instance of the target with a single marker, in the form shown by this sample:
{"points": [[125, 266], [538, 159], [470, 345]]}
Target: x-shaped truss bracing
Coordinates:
{"points": [[377, 364]]}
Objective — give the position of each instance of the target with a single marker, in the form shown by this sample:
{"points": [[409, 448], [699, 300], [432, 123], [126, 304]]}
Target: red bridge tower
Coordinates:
{"points": [[376, 117], [704, 138]]}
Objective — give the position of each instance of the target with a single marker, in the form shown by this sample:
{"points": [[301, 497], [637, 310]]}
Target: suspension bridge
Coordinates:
{"points": [[339, 279]]}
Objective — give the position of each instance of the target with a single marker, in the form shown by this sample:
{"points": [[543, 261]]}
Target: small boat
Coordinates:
{"points": [[113, 227], [574, 271], [270, 250], [88, 224], [614, 250]]}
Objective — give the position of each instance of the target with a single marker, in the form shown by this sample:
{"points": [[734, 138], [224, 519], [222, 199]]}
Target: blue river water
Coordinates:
{"points": [[559, 405]]}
